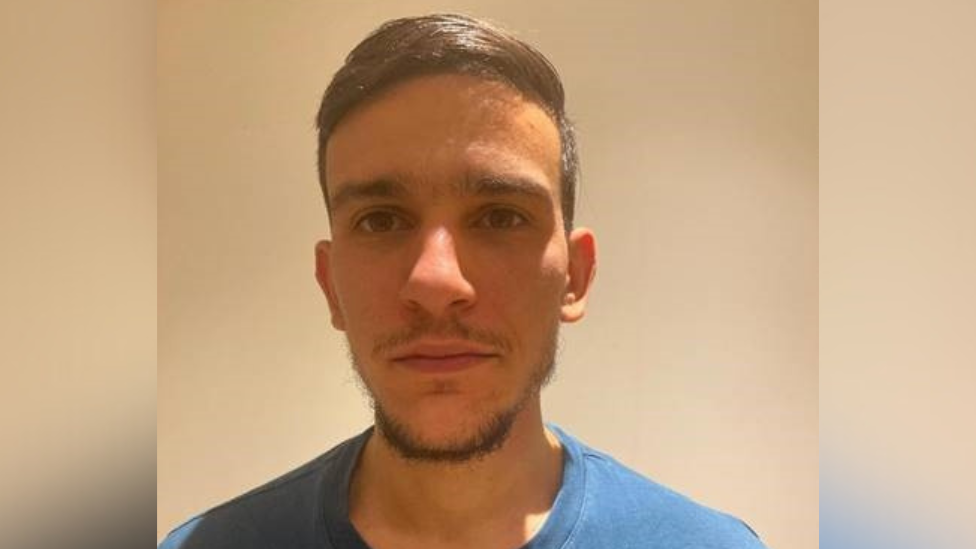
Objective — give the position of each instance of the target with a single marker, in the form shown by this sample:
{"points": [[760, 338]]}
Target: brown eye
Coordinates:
{"points": [[501, 218], [381, 222]]}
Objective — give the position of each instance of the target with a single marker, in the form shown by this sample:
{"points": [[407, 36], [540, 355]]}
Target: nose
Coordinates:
{"points": [[436, 282]]}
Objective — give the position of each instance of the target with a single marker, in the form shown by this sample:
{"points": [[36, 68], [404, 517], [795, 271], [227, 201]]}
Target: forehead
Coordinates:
{"points": [[434, 130]]}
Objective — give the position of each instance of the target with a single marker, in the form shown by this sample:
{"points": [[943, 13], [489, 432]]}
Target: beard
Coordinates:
{"points": [[491, 431]]}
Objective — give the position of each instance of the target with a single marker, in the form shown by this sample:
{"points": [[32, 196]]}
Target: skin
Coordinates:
{"points": [[447, 232]]}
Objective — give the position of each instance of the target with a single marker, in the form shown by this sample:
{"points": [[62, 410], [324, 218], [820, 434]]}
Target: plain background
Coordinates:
{"points": [[697, 363], [77, 273]]}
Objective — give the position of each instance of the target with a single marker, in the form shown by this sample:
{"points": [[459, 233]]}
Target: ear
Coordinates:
{"points": [[323, 274], [579, 276]]}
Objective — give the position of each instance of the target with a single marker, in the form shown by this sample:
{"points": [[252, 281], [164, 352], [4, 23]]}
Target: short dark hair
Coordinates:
{"points": [[401, 49]]}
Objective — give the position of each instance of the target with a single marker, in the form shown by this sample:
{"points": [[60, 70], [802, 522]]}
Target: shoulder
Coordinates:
{"points": [[278, 513], [635, 511]]}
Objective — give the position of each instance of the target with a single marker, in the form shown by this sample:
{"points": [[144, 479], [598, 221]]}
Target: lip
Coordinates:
{"points": [[434, 357]]}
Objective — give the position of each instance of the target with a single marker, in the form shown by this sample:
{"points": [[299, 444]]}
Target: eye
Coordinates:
{"points": [[381, 221], [500, 218]]}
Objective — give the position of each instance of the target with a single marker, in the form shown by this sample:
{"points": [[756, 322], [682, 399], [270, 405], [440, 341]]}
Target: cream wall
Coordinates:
{"points": [[697, 363]]}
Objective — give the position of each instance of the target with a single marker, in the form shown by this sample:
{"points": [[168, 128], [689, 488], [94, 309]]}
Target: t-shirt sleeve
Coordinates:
{"points": [[177, 539]]}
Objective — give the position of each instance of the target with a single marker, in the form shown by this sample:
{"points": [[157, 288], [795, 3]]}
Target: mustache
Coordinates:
{"points": [[451, 328]]}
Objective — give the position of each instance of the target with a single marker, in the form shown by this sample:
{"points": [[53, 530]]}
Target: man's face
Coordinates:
{"points": [[449, 269]]}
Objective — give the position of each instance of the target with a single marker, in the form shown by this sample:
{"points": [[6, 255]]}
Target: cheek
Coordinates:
{"points": [[366, 290], [527, 289]]}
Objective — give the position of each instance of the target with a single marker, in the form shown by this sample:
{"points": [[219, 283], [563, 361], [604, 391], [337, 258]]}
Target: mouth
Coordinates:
{"points": [[442, 357]]}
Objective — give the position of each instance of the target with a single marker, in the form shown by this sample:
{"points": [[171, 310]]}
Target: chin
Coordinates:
{"points": [[446, 437]]}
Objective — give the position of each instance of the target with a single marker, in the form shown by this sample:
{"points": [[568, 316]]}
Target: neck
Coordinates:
{"points": [[507, 494]]}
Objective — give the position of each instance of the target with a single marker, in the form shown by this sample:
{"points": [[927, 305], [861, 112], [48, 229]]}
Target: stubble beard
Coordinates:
{"points": [[487, 437]]}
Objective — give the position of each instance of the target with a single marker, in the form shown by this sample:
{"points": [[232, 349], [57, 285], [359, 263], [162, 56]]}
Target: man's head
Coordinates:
{"points": [[450, 265]]}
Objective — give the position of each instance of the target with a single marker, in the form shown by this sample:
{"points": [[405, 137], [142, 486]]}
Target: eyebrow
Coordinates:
{"points": [[481, 186], [379, 188], [505, 185]]}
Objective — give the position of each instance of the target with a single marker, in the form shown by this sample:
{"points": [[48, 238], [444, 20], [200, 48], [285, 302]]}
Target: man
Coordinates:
{"points": [[449, 169]]}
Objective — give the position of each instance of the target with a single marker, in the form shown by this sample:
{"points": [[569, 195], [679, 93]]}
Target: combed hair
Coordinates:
{"points": [[401, 49]]}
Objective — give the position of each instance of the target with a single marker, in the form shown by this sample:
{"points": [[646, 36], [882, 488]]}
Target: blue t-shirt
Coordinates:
{"points": [[600, 504]]}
